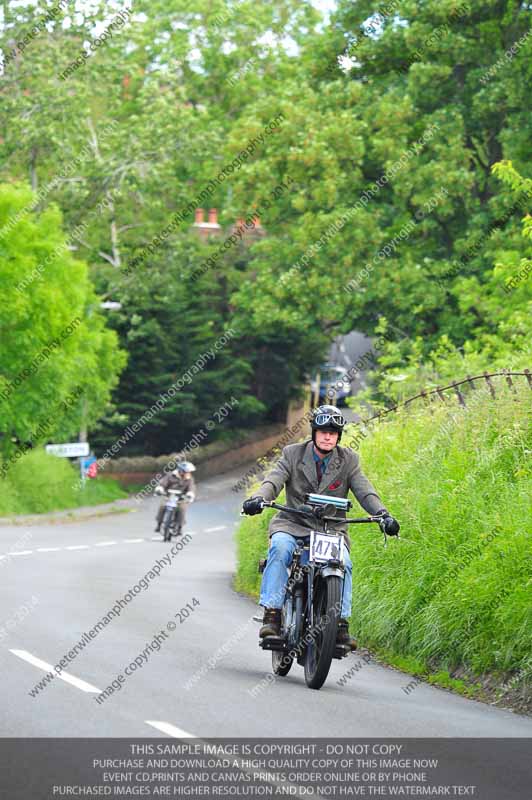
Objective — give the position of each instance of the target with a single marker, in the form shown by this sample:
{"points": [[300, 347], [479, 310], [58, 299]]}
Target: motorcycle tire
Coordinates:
{"points": [[281, 662], [167, 526], [321, 647]]}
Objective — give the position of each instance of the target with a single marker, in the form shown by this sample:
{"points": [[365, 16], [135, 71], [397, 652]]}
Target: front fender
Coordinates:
{"points": [[326, 572]]}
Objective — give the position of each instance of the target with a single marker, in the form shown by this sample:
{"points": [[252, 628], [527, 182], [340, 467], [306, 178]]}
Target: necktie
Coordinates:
{"points": [[318, 471]]}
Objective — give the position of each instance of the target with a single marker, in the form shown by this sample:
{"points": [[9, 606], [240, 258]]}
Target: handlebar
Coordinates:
{"points": [[169, 492], [356, 520], [280, 507], [314, 512]]}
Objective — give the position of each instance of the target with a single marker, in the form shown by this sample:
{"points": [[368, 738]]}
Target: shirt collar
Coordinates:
{"points": [[324, 461]]}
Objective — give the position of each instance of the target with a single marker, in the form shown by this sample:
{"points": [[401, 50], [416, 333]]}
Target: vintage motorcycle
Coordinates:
{"points": [[313, 599], [169, 523]]}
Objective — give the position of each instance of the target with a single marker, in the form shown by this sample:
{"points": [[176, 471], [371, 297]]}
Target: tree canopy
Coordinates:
{"points": [[390, 121]]}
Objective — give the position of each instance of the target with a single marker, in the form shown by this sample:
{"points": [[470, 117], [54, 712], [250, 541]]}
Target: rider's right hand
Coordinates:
{"points": [[253, 505]]}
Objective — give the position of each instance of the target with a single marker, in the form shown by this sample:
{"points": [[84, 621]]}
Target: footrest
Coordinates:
{"points": [[273, 643], [341, 651]]}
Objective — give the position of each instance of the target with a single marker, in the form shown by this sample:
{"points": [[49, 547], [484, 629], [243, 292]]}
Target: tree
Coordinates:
{"points": [[419, 70], [54, 342]]}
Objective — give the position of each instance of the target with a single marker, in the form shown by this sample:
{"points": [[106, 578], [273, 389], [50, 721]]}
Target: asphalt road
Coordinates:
{"points": [[69, 575]]}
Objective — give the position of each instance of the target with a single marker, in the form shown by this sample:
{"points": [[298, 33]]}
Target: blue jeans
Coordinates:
{"points": [[275, 576]]}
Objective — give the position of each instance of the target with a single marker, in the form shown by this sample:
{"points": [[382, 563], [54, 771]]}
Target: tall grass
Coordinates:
{"points": [[456, 588], [40, 482]]}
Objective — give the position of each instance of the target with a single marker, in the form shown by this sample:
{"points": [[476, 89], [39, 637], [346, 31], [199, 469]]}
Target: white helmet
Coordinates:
{"points": [[184, 466]]}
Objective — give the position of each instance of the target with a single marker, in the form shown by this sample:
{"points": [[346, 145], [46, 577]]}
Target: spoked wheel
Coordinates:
{"points": [[320, 649], [281, 662], [167, 526]]}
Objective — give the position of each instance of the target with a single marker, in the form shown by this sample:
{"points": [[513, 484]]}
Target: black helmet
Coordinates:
{"points": [[327, 418]]}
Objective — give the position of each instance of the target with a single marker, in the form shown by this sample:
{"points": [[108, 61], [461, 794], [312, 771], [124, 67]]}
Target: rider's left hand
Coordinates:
{"points": [[389, 524]]}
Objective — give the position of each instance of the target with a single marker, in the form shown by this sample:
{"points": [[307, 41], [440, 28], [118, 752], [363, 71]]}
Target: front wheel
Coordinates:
{"points": [[167, 525], [322, 635], [281, 662]]}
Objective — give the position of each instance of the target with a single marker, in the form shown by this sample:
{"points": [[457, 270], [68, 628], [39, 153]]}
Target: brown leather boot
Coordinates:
{"points": [[271, 623], [343, 637]]}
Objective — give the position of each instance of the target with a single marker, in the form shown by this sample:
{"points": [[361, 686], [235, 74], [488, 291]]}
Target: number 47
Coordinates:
{"points": [[319, 547]]}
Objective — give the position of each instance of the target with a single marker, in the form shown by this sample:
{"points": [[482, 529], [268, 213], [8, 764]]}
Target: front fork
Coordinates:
{"points": [[295, 598]]}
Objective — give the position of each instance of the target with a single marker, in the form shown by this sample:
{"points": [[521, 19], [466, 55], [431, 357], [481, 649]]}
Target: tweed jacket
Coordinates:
{"points": [[171, 481], [296, 471]]}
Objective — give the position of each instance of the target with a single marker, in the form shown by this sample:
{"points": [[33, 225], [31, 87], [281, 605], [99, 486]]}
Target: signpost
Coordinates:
{"points": [[71, 450]]}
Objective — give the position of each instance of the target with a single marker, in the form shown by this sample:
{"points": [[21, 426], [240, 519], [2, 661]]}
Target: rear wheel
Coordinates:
{"points": [[322, 635]]}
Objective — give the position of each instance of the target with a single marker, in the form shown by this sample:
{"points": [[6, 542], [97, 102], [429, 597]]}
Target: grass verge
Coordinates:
{"points": [[40, 482], [454, 593]]}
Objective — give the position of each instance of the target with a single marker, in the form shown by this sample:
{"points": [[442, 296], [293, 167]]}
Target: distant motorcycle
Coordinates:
{"points": [[170, 518]]}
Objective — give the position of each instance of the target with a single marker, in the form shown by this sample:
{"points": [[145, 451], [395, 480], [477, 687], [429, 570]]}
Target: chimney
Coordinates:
{"points": [[207, 229]]}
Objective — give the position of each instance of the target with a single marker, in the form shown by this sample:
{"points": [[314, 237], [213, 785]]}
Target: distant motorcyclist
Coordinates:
{"points": [[182, 480]]}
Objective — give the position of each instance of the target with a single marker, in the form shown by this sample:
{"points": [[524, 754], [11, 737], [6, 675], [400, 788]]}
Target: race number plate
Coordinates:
{"points": [[324, 546]]}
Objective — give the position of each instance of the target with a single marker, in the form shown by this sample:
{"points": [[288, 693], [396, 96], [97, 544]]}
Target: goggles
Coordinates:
{"points": [[327, 419]]}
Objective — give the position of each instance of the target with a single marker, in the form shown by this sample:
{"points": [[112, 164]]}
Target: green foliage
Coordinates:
{"points": [[170, 322], [420, 66], [501, 339], [454, 590], [55, 348], [39, 482], [150, 120]]}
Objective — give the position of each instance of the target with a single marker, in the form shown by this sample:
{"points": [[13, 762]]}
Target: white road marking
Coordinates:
{"points": [[217, 528], [48, 549], [155, 539], [21, 552], [170, 730], [179, 733], [37, 662], [103, 544], [132, 541], [78, 547]]}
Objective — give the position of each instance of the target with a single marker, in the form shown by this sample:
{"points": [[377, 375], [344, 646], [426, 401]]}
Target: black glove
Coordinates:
{"points": [[388, 524], [253, 505]]}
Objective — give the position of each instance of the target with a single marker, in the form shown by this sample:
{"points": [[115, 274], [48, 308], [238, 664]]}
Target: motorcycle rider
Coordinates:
{"points": [[320, 466], [181, 479]]}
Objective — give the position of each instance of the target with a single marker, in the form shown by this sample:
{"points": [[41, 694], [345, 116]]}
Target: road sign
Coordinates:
{"points": [[68, 450]]}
